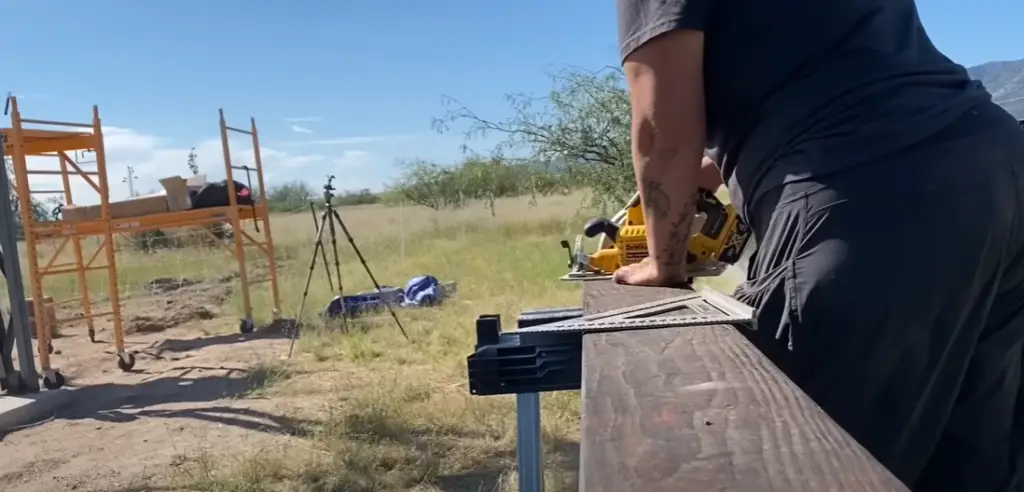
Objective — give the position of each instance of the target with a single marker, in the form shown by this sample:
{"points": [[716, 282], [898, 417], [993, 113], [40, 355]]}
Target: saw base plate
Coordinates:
{"points": [[584, 276], [707, 270]]}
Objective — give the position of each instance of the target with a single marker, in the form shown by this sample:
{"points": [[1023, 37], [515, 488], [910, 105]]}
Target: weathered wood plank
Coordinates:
{"points": [[701, 409], [600, 296]]}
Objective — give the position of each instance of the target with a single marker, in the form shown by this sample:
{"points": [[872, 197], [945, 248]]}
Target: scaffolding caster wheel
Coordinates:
{"points": [[246, 326], [53, 382], [49, 347], [92, 335], [126, 361]]}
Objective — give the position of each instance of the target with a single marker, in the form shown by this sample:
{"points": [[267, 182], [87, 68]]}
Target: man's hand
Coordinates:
{"points": [[648, 272]]}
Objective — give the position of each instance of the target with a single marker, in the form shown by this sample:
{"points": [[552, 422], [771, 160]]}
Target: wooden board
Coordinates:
{"points": [[700, 409]]}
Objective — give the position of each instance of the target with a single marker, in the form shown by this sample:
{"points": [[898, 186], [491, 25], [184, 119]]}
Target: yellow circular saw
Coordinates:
{"points": [[719, 239]]}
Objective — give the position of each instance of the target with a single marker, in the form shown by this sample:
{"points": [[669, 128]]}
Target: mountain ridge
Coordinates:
{"points": [[1005, 80]]}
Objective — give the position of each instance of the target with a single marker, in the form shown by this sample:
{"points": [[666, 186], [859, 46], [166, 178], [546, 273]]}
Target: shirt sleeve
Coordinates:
{"points": [[714, 154], [643, 20]]}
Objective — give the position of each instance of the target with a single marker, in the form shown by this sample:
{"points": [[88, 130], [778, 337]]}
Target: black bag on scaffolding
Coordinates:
{"points": [[216, 195]]}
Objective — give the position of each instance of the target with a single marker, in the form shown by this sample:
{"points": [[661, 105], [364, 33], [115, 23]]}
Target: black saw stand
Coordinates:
{"points": [[15, 331]]}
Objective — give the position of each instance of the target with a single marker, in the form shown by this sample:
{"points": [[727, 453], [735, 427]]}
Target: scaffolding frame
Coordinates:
{"points": [[22, 143]]}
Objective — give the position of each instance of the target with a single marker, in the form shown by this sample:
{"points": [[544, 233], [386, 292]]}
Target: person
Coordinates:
{"points": [[884, 189]]}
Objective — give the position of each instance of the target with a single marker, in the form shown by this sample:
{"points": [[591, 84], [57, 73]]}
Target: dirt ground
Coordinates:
{"points": [[188, 396]]}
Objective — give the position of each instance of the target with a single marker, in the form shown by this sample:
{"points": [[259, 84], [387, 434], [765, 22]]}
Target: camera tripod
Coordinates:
{"points": [[330, 220]]}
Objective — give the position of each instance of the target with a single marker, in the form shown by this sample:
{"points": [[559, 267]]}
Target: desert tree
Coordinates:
{"points": [[289, 196], [475, 178], [582, 124]]}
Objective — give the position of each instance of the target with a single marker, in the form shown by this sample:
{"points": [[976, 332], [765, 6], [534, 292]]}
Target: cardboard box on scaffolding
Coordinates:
{"points": [[174, 198]]}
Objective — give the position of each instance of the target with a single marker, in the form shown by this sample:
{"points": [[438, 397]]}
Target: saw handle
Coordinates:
{"points": [[568, 250], [601, 225]]}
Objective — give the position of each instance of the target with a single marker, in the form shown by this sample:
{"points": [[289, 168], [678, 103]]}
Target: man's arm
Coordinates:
{"points": [[663, 50]]}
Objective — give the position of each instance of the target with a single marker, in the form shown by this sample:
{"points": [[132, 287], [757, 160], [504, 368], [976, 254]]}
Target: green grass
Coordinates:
{"points": [[396, 414]]}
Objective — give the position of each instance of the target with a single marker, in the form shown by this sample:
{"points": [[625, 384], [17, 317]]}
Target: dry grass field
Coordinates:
{"points": [[396, 414], [367, 409]]}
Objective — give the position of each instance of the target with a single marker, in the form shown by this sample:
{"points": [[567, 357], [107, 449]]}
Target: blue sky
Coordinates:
{"points": [[336, 87]]}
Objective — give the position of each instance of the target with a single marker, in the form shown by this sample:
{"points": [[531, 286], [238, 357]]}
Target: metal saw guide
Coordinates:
{"points": [[699, 308]]}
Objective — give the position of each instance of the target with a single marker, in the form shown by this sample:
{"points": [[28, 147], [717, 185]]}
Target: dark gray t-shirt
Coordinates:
{"points": [[800, 88]]}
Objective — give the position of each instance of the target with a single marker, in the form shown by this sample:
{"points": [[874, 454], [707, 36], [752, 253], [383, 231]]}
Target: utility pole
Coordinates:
{"points": [[130, 179]]}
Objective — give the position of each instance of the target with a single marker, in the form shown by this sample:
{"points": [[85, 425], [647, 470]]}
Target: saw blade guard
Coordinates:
{"points": [[618, 219]]}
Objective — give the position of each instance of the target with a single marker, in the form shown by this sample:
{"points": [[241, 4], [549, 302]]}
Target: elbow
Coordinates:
{"points": [[645, 137], [652, 145]]}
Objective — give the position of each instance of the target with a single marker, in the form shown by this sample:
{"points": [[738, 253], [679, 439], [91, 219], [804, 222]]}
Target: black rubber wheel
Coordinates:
{"points": [[58, 381], [246, 326], [126, 365], [92, 336], [49, 347]]}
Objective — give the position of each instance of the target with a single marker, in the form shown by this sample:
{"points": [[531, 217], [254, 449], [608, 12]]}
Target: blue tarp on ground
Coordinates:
{"points": [[422, 290]]}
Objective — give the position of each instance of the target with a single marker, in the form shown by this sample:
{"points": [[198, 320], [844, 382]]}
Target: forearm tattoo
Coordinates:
{"points": [[680, 210], [656, 201]]}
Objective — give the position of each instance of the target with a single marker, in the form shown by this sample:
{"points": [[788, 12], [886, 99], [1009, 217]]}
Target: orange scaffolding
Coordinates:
{"points": [[22, 142]]}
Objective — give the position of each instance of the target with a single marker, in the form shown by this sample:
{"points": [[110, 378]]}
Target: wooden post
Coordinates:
{"points": [[701, 409]]}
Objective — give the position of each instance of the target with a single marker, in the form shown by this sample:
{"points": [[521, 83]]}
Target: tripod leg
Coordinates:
{"points": [[328, 215], [366, 266], [317, 246], [323, 251]]}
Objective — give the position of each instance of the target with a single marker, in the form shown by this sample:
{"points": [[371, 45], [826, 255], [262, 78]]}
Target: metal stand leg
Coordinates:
{"points": [[529, 447], [8, 374], [19, 327]]}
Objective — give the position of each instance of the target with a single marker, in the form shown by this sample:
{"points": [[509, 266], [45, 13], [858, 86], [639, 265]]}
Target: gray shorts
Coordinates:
{"points": [[893, 294]]}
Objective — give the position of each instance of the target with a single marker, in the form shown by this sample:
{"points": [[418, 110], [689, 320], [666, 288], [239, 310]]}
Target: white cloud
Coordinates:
{"points": [[301, 129], [303, 119], [153, 158], [353, 159], [35, 96], [359, 140], [286, 160]]}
